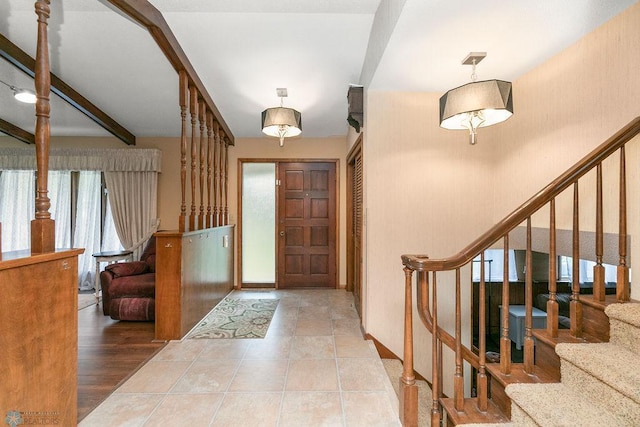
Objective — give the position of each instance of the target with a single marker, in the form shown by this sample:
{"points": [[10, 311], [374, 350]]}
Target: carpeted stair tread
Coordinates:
{"points": [[488, 425], [557, 405], [609, 363], [628, 313], [624, 320], [394, 372]]}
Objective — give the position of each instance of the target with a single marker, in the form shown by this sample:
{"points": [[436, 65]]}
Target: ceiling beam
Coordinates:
{"points": [[16, 132], [151, 18], [26, 63]]}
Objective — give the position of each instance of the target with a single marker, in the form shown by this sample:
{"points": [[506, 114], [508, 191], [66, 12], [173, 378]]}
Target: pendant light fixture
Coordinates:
{"points": [[476, 104], [281, 122], [22, 95]]}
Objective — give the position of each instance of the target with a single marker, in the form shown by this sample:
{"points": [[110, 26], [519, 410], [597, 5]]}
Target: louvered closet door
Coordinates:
{"points": [[356, 211], [307, 225]]}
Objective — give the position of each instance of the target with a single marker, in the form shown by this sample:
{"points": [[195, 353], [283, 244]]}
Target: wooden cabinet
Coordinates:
{"points": [[39, 337], [194, 271]]}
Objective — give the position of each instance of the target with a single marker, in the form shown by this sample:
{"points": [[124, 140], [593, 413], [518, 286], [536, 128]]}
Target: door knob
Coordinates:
{"points": [[282, 234]]}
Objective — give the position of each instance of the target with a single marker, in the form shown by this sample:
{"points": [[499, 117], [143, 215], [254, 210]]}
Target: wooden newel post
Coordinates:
{"points": [[42, 227], [408, 388]]}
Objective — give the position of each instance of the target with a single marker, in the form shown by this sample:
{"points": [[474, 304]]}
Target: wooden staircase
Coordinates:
{"points": [[600, 383], [545, 352]]}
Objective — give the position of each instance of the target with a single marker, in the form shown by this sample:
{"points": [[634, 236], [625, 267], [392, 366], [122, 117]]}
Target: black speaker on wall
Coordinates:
{"points": [[356, 116]]}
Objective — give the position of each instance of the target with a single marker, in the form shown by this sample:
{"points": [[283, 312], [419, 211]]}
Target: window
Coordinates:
{"points": [[76, 207], [565, 270], [494, 266]]}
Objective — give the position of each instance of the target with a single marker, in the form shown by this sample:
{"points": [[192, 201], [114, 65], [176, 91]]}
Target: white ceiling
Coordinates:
{"points": [[244, 49]]}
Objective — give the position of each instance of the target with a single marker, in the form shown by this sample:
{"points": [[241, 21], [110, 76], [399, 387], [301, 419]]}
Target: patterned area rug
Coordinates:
{"points": [[237, 318]]}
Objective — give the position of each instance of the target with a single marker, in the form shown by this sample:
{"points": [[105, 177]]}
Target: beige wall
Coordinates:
{"points": [[429, 191], [564, 109]]}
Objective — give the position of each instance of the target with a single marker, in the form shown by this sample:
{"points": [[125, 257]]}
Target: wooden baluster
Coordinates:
{"points": [[184, 95], [203, 145], [209, 222], [440, 373], [552, 304], [423, 291], [458, 379], [221, 180], [622, 285], [575, 306], [435, 362], [226, 181], [528, 297], [408, 389], [216, 173], [42, 227], [193, 98], [481, 378], [598, 269], [505, 341]]}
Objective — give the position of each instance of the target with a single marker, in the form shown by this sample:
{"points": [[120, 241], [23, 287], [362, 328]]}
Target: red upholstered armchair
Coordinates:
{"points": [[128, 288]]}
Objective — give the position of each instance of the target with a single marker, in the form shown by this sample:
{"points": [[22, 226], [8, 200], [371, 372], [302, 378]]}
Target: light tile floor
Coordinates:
{"points": [[312, 369]]}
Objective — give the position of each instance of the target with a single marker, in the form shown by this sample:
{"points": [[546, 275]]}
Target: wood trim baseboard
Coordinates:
{"points": [[385, 353]]}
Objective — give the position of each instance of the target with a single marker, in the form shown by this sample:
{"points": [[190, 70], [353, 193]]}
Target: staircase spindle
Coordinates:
{"points": [[481, 377], [622, 285], [505, 341], [552, 304], [408, 388], [193, 104], [435, 361], [183, 95], [202, 110], [458, 380], [216, 173], [598, 269], [209, 222], [575, 306], [528, 297]]}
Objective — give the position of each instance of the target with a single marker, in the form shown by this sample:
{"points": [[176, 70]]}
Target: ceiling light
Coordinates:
{"points": [[281, 122], [476, 104], [22, 95]]}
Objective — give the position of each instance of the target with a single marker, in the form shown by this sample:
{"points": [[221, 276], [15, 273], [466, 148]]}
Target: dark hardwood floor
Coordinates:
{"points": [[109, 351]]}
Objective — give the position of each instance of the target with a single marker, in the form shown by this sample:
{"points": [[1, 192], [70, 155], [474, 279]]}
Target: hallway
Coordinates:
{"points": [[312, 369]]}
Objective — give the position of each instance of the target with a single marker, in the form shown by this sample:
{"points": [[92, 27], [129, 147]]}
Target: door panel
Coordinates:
{"points": [[307, 225]]}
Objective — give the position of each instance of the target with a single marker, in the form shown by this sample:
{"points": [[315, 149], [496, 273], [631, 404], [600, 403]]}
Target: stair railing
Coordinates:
{"points": [[427, 269]]}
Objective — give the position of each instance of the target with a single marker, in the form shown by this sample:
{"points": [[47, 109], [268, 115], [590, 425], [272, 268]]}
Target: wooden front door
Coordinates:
{"points": [[306, 225]]}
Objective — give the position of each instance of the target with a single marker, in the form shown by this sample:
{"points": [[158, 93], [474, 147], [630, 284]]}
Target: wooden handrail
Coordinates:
{"points": [[427, 268], [528, 208]]}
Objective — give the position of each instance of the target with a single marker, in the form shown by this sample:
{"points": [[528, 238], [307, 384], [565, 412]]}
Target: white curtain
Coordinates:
{"points": [[87, 226], [59, 186], [134, 203], [110, 239], [17, 208]]}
